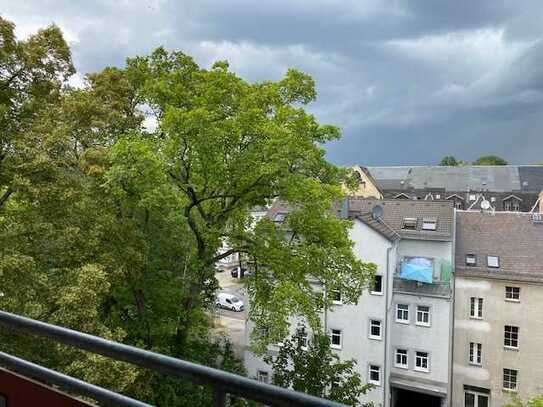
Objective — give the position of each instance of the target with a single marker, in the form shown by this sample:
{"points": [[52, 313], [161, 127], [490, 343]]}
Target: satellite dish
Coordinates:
{"points": [[485, 204], [377, 212]]}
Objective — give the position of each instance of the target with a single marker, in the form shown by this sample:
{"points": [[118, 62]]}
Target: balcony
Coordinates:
{"points": [[28, 376], [423, 276]]}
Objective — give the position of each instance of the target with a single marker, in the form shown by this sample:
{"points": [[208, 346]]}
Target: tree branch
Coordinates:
{"points": [[6, 196]]}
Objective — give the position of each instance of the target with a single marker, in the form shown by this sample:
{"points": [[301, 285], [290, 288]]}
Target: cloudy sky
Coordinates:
{"points": [[407, 81]]}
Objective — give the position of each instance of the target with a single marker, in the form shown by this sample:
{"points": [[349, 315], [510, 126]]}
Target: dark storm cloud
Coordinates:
{"points": [[407, 81]]}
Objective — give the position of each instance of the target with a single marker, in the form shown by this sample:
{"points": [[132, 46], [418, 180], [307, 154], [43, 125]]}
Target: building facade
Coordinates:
{"points": [[506, 188], [498, 320]]}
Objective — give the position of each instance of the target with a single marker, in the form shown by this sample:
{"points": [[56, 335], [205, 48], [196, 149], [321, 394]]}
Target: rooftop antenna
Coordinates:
{"points": [[377, 212]]}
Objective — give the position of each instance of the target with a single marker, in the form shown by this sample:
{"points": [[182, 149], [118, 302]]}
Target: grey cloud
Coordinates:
{"points": [[408, 81]]}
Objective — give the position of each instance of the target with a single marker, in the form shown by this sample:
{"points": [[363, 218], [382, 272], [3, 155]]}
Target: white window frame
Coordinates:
{"points": [[419, 368], [494, 258], [429, 312], [382, 288], [475, 354], [476, 396], [509, 295], [429, 224], [478, 306], [511, 333], [406, 354], [380, 324], [472, 197], [471, 257], [402, 321], [334, 300], [509, 373], [370, 370], [260, 374], [332, 335]]}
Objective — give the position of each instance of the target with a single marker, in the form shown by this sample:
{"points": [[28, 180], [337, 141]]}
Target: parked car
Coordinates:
{"points": [[229, 301]]}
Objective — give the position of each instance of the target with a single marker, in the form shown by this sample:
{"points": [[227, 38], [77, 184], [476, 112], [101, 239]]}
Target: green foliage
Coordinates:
{"points": [[517, 402], [313, 368], [113, 230], [490, 160], [449, 161]]}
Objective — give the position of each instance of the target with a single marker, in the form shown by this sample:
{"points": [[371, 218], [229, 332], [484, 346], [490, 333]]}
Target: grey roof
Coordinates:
{"points": [[513, 237], [394, 212], [493, 178]]}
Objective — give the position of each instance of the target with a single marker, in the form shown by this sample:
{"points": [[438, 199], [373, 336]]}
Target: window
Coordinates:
{"points": [[409, 223], [471, 260], [374, 375], [475, 350], [472, 399], [375, 329], [429, 223], [377, 285], [476, 308], [458, 204], [402, 313], [510, 337], [512, 293], [423, 315], [336, 297], [438, 196], [280, 217], [422, 362], [472, 197], [493, 261], [263, 376], [401, 358], [510, 377], [335, 339]]}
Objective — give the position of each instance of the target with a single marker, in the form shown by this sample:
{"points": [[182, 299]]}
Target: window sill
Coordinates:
{"points": [[421, 370], [337, 303], [337, 347], [405, 367], [511, 348], [374, 383], [510, 390], [375, 338], [512, 300], [476, 318], [473, 364], [401, 321], [379, 293], [423, 325]]}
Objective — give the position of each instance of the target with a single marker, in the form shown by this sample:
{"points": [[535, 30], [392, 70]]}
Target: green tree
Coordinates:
{"points": [[31, 75], [449, 161], [490, 160], [229, 145], [517, 402], [310, 366]]}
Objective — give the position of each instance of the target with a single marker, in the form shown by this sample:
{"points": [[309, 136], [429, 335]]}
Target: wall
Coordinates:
{"points": [[497, 312]]}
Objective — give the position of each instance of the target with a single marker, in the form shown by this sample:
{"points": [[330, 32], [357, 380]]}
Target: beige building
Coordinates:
{"points": [[367, 186], [498, 332]]}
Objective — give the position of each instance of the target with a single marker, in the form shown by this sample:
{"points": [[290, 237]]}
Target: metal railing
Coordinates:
{"points": [[222, 382]]}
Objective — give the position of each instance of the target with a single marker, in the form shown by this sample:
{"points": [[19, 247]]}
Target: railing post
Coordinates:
{"points": [[219, 397]]}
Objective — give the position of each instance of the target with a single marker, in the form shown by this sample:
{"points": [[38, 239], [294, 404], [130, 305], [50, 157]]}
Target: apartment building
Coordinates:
{"points": [[498, 330], [400, 331], [512, 188]]}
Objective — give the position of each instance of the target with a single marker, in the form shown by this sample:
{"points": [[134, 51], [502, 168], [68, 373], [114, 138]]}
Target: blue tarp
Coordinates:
{"points": [[417, 269]]}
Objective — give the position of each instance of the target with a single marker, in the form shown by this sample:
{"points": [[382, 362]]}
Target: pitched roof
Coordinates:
{"points": [[504, 178], [394, 212], [513, 237]]}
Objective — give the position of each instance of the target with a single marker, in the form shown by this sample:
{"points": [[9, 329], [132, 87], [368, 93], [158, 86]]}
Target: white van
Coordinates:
{"points": [[229, 301]]}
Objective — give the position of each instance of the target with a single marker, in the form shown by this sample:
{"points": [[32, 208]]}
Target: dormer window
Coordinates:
{"points": [[511, 204], [279, 217], [409, 223], [471, 260], [429, 223], [493, 261]]}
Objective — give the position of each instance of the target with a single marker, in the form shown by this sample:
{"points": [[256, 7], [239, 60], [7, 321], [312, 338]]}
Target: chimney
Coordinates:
{"points": [[541, 202]]}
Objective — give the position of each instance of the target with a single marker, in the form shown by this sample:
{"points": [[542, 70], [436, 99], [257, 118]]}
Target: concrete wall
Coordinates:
{"points": [[489, 331]]}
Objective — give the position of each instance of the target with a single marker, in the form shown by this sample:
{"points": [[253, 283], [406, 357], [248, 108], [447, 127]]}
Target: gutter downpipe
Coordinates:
{"points": [[453, 300], [390, 284]]}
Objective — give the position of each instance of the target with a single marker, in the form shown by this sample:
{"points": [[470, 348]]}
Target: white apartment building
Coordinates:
{"points": [[400, 331]]}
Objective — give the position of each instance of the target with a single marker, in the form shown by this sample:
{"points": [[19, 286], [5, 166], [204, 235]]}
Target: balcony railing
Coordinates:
{"points": [[222, 383]]}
